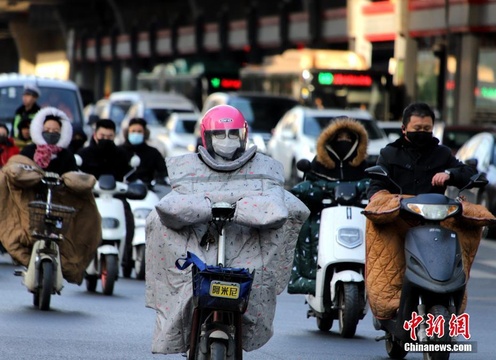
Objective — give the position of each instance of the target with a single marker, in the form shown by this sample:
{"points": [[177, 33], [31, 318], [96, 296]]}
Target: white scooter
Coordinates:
{"points": [[105, 265], [340, 284]]}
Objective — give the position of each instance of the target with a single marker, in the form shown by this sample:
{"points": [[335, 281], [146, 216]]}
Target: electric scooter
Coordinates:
{"points": [[221, 297], [434, 281], [340, 284], [48, 224], [141, 209], [105, 265]]}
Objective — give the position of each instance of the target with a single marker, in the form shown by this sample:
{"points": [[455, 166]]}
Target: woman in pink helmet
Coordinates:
{"points": [[261, 235]]}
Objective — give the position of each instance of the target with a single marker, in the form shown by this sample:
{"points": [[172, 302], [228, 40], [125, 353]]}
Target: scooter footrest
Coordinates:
{"points": [[19, 272], [379, 338]]}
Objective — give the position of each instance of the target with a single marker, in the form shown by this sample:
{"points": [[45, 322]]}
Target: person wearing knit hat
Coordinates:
{"points": [[51, 132], [23, 136], [28, 109]]}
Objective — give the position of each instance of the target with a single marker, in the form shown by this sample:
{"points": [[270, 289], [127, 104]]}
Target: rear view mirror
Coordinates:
{"points": [[473, 162], [92, 119], [135, 161], [377, 172], [304, 165]]}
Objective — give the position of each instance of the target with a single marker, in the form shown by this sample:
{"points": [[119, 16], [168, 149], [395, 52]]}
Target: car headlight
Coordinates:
{"points": [[350, 237], [110, 223], [432, 211], [141, 213]]}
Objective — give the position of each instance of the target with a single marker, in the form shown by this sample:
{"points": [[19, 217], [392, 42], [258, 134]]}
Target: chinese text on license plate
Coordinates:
{"points": [[224, 289]]}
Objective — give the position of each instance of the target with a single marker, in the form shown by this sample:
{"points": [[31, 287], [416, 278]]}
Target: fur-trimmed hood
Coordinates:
{"points": [[360, 152], [36, 127]]}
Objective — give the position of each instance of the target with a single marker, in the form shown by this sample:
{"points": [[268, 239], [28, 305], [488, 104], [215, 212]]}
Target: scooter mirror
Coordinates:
{"points": [[304, 165], [79, 160], [377, 172], [135, 161], [136, 191]]}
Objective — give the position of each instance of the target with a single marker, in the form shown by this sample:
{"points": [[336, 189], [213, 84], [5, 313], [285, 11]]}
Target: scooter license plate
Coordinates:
{"points": [[222, 289]]}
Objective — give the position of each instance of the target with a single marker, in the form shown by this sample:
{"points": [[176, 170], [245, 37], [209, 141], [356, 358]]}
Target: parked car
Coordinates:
{"points": [[261, 111], [393, 129], [295, 136], [178, 136], [454, 136], [155, 108], [480, 151], [61, 94]]}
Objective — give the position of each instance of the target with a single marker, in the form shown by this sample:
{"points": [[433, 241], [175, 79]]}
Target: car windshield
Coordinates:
{"points": [[454, 139], [185, 126], [262, 114], [155, 116], [118, 110], [63, 99], [313, 126]]}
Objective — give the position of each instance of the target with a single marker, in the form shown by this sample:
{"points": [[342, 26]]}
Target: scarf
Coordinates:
{"points": [[43, 154]]}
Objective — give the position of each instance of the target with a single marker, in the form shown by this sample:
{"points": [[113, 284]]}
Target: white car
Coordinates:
{"points": [[155, 108], [178, 136], [393, 129], [295, 136]]}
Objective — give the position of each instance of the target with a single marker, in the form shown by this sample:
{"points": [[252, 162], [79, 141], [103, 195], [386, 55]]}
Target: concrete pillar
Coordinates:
{"points": [[31, 41], [404, 66], [466, 79]]}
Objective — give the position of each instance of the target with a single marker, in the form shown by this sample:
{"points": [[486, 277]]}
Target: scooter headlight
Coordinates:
{"points": [[433, 212], [141, 213], [110, 223], [350, 237]]}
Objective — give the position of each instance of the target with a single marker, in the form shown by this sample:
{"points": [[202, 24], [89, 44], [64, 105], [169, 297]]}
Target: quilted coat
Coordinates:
{"points": [[19, 181], [261, 237], [385, 258]]}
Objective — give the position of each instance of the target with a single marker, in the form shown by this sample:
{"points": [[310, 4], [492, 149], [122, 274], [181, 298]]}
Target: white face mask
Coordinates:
{"points": [[225, 147]]}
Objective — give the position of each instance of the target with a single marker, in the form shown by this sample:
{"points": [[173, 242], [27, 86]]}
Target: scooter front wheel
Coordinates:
{"points": [[46, 282], [436, 311], [110, 270], [218, 351], [349, 309]]}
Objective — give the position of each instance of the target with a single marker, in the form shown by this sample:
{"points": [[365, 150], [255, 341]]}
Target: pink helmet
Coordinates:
{"points": [[224, 119]]}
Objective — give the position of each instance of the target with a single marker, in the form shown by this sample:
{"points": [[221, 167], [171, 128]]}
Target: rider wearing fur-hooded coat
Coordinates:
{"points": [[341, 152]]}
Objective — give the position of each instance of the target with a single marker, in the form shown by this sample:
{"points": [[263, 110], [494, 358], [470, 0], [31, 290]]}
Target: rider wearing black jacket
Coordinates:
{"points": [[416, 161]]}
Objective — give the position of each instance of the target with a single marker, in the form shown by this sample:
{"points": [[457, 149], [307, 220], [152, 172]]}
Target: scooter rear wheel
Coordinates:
{"points": [[324, 323], [139, 263], [46, 281], [91, 282], [394, 348]]}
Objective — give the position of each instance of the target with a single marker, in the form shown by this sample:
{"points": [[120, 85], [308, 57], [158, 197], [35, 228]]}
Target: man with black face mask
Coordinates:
{"points": [[416, 161], [341, 152], [102, 156]]}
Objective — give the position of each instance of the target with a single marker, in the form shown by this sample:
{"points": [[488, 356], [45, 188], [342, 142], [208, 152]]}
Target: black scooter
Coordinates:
{"points": [[434, 281]]}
